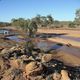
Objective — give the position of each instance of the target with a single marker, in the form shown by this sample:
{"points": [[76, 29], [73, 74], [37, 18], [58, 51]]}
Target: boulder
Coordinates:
{"points": [[12, 48], [64, 74], [30, 67], [14, 63], [4, 51], [33, 68], [8, 50], [47, 57]]}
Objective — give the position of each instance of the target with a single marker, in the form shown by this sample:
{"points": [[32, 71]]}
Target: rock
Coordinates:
{"points": [[30, 67], [33, 68], [4, 51], [64, 74], [49, 77], [54, 65], [35, 53], [7, 78], [23, 57], [56, 76], [7, 75], [1, 48], [6, 64], [47, 57], [1, 64], [36, 78], [8, 53], [31, 58], [12, 48], [14, 63], [8, 50], [37, 71], [16, 74]]}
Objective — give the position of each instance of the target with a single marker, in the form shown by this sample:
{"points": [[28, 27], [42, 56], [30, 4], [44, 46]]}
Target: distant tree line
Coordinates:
{"points": [[76, 22], [44, 21], [3, 24]]}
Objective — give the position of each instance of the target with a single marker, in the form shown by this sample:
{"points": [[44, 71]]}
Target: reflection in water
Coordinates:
{"points": [[47, 46], [63, 36], [15, 38]]}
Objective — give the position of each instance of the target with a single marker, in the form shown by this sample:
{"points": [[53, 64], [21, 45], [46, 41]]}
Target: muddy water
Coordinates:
{"points": [[63, 36], [42, 44], [15, 38], [46, 45]]}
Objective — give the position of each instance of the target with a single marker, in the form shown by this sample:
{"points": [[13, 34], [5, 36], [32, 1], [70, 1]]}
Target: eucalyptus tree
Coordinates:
{"points": [[44, 21], [37, 19], [77, 18], [31, 29], [78, 13], [50, 19], [19, 23]]}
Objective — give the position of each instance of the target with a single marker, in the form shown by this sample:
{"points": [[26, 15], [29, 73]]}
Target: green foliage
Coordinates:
{"points": [[72, 25], [50, 19], [78, 13], [77, 18], [43, 21], [32, 28], [39, 21], [19, 22], [3, 24]]}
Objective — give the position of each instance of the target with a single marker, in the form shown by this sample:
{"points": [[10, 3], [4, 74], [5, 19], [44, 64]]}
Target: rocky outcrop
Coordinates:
{"points": [[38, 66]]}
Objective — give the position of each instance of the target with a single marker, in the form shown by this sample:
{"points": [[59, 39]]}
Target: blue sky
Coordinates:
{"points": [[59, 9]]}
